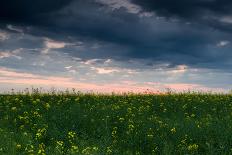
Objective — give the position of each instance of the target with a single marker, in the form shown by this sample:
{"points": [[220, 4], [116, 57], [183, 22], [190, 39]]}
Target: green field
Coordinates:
{"points": [[188, 123]]}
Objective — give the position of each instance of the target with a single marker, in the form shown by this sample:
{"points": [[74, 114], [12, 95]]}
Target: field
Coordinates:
{"points": [[55, 124]]}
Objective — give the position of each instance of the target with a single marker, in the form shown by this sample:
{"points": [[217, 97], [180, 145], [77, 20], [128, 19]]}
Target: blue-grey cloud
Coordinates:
{"points": [[178, 33]]}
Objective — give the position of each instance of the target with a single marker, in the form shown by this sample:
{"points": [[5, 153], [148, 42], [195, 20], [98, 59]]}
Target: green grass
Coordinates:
{"points": [[187, 123]]}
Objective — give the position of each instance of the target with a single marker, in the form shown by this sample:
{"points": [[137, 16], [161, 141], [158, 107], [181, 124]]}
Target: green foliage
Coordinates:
{"points": [[188, 123]]}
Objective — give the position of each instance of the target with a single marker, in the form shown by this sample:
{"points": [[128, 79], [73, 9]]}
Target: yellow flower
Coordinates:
{"points": [[173, 130], [41, 149], [40, 133], [114, 132], [129, 110], [29, 148], [21, 127], [108, 150], [86, 151], [121, 119], [193, 115], [14, 109], [95, 148], [71, 135], [74, 149], [131, 127], [193, 147], [60, 143], [18, 146], [150, 135], [47, 106]]}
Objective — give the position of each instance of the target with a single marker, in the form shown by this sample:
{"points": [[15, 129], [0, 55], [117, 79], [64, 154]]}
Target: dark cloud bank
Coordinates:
{"points": [[194, 32]]}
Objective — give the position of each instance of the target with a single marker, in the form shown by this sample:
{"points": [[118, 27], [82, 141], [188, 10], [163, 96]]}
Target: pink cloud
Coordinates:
{"points": [[14, 78], [27, 79]]}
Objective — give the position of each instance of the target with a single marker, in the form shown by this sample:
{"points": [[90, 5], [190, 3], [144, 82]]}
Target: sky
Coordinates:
{"points": [[116, 45]]}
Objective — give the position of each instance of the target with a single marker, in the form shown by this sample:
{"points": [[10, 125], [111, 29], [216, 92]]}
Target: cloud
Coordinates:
{"points": [[27, 11], [14, 28], [179, 69], [14, 78], [52, 44], [226, 19], [7, 54], [105, 70], [186, 9], [4, 36], [117, 4], [223, 43], [213, 13], [126, 36], [4, 72], [157, 40]]}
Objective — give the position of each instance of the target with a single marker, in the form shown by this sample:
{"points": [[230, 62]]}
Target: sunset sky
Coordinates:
{"points": [[116, 45]]}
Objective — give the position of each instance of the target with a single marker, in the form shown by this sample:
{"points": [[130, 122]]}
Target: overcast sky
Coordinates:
{"points": [[116, 45]]}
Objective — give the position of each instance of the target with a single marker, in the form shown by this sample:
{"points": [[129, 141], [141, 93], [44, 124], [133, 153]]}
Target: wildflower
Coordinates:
{"points": [[40, 133], [14, 109], [150, 135], [25, 134], [18, 146], [41, 149], [193, 147], [131, 127], [121, 119], [95, 148], [47, 106], [36, 114], [29, 149], [86, 150], [114, 132], [71, 135], [60, 143], [108, 150], [173, 130], [21, 127], [129, 110], [74, 149]]}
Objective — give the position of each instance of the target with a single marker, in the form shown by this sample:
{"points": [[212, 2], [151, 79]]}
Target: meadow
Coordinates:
{"points": [[126, 124]]}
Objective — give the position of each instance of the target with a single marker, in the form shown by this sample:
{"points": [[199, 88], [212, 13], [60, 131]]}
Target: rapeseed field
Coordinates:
{"points": [[127, 124]]}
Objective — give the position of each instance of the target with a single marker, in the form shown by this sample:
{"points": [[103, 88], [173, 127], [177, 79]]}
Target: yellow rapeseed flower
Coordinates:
{"points": [[18, 146], [173, 130], [193, 147]]}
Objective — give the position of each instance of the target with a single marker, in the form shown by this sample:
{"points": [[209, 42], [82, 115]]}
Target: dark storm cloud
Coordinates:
{"points": [[209, 12], [187, 8], [27, 11], [124, 35]]}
